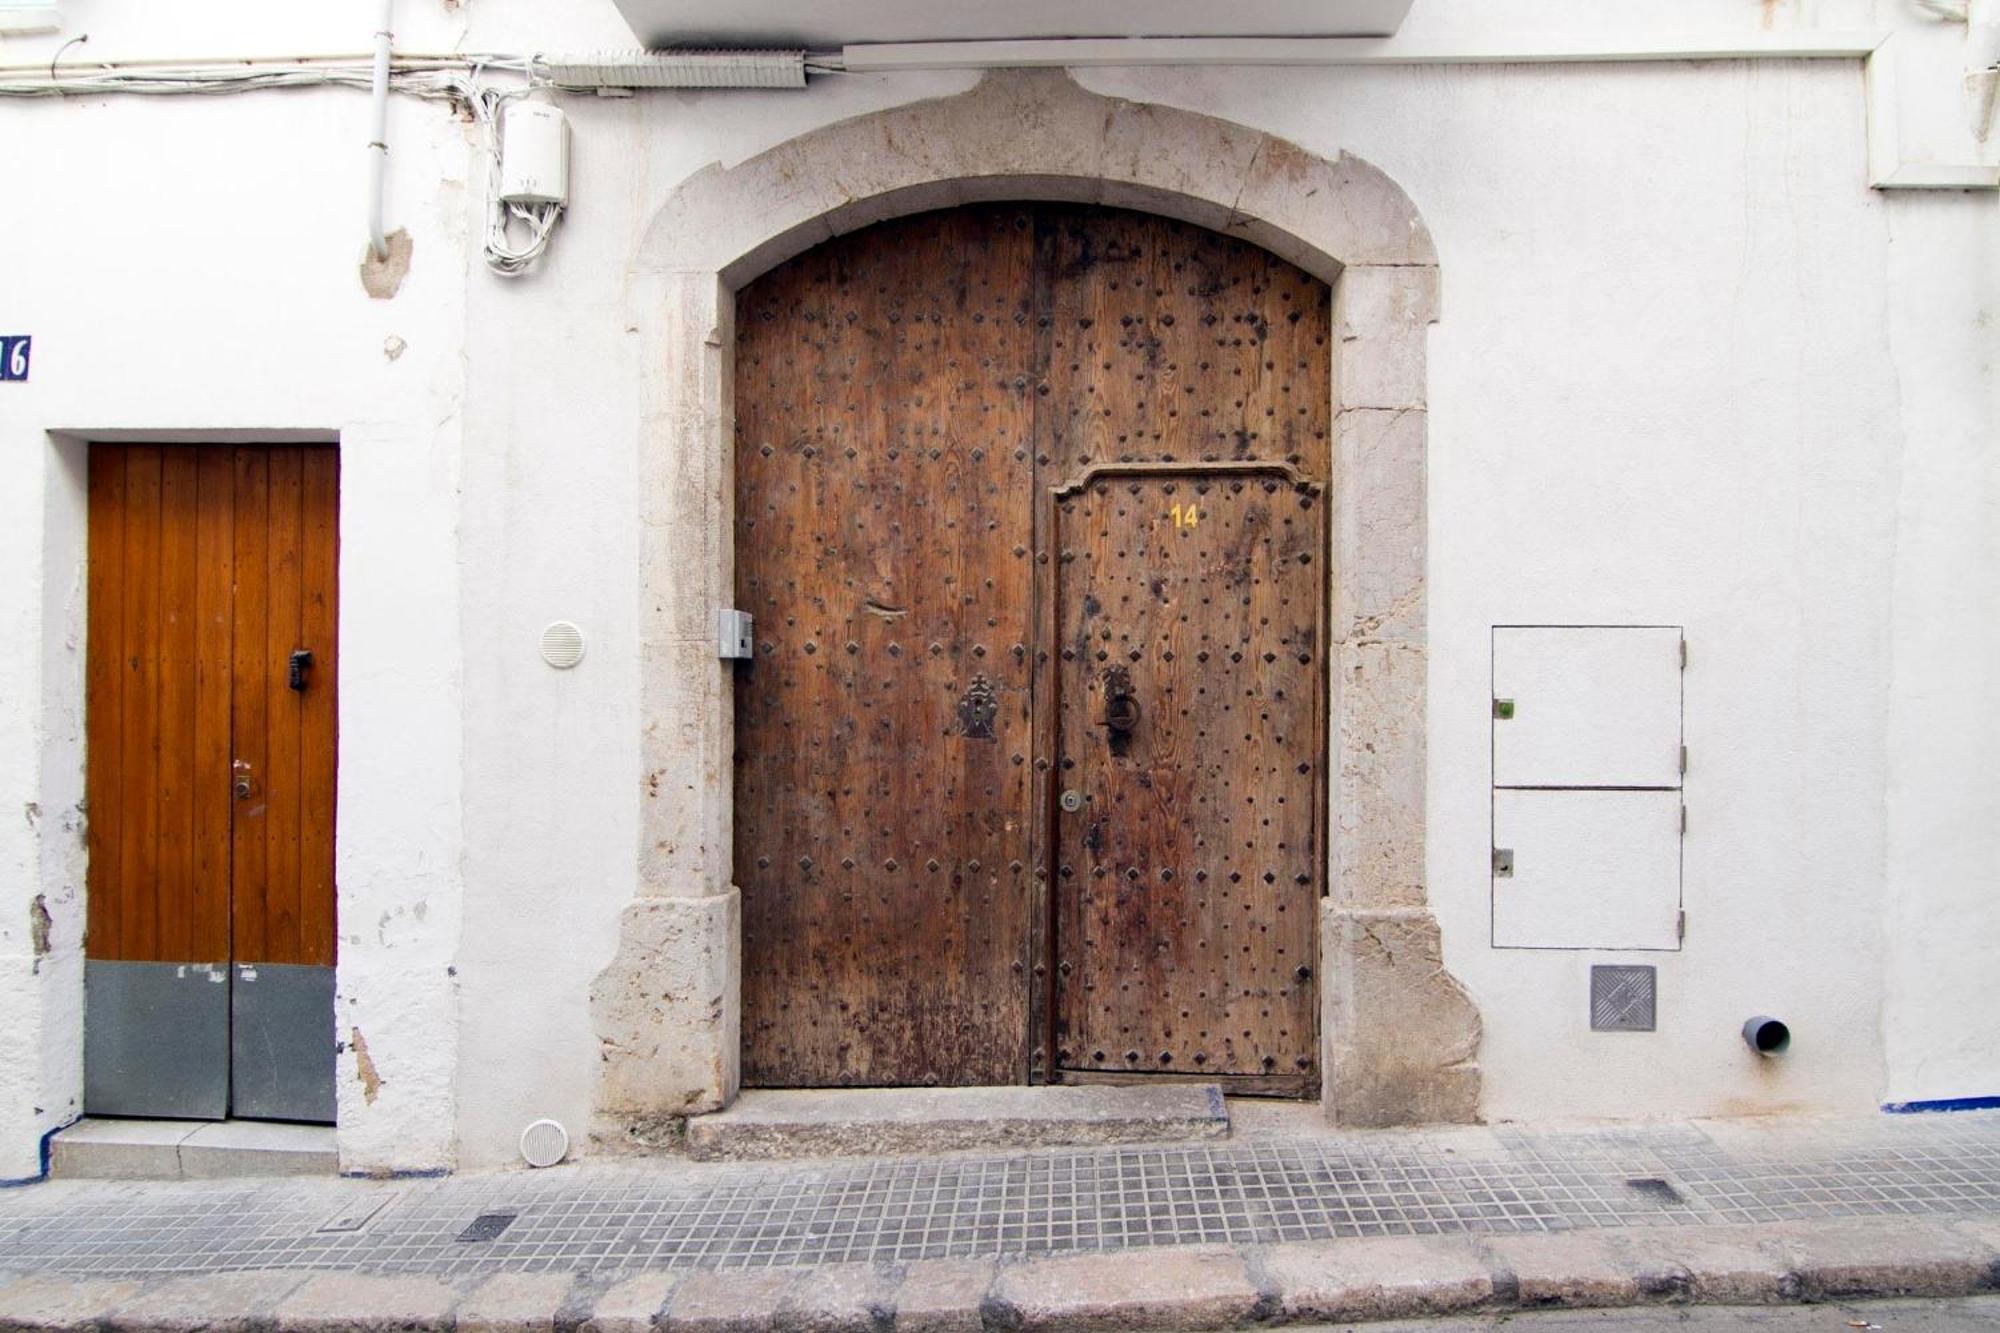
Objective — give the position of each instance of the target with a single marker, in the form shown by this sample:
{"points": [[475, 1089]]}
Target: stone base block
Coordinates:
{"points": [[667, 1012], [1401, 1032]]}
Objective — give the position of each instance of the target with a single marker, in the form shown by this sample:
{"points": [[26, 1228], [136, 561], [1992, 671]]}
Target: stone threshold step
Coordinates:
{"points": [[98, 1148], [870, 1122]]}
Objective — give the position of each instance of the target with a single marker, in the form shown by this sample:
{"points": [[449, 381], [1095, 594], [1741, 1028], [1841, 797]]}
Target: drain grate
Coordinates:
{"points": [[1655, 1188], [487, 1226], [1621, 999]]}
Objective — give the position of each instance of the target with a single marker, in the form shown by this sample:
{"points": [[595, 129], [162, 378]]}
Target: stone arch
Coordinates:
{"points": [[1400, 1035]]}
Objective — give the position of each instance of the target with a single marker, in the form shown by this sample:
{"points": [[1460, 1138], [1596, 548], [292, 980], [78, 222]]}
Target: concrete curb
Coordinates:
{"points": [[1173, 1289]]}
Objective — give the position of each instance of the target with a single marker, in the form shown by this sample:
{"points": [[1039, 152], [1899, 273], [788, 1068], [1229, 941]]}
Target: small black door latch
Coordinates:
{"points": [[302, 658]]}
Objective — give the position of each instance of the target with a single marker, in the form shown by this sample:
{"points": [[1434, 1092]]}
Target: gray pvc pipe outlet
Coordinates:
{"points": [[1766, 1035]]}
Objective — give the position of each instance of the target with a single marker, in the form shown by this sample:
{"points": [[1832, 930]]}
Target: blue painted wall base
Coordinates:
{"points": [[1943, 1104]]}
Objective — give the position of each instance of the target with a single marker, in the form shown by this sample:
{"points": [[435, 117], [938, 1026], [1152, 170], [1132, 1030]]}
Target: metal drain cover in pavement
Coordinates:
{"points": [[487, 1226], [1655, 1188]]}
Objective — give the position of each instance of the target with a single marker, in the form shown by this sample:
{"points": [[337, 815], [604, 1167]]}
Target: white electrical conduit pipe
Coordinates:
{"points": [[1531, 48], [378, 142], [1887, 170]]}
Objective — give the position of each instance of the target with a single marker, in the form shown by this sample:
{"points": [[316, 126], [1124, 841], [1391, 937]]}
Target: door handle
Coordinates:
{"points": [[295, 675], [1121, 702], [1121, 713]]}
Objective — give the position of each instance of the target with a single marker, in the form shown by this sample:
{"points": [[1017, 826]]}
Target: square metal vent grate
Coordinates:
{"points": [[1621, 999]]}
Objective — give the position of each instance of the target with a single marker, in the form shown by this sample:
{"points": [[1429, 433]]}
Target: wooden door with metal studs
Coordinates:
{"points": [[978, 840], [210, 715]]}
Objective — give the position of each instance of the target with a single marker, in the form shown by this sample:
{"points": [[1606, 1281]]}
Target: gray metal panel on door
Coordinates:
{"points": [[156, 1039], [281, 1042]]}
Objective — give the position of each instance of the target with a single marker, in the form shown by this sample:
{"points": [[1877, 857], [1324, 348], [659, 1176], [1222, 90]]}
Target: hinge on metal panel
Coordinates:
{"points": [[1684, 760], [1503, 863], [1681, 925], [1684, 821], [1684, 654]]}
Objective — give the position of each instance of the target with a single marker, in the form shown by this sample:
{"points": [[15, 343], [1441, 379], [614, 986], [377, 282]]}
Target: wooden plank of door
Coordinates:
{"points": [[1049, 779], [105, 676], [250, 653], [319, 714], [175, 889], [883, 495], [283, 713], [214, 594], [139, 747]]}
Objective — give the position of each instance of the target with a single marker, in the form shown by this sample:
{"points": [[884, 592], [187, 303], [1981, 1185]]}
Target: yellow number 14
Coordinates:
{"points": [[1184, 516]]}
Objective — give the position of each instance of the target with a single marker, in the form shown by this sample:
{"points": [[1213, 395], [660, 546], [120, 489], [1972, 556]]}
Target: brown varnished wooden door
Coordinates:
{"points": [[209, 781], [282, 755], [910, 400]]}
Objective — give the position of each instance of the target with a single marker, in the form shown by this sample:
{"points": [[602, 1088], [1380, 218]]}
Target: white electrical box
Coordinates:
{"points": [[733, 634], [534, 154], [1586, 869], [1588, 764], [1587, 706]]}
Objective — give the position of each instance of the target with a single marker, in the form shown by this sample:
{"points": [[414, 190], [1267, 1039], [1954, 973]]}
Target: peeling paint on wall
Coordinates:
{"points": [[364, 1067], [383, 278], [38, 929]]}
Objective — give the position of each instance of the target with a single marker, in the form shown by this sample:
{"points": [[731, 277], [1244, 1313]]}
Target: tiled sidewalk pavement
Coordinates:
{"points": [[1305, 1225]]}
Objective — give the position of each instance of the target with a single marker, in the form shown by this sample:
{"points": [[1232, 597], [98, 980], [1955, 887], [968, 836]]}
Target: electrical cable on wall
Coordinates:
{"points": [[527, 180], [460, 79]]}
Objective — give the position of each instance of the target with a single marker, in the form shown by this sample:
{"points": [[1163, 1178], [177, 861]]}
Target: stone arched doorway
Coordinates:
{"points": [[1399, 1036]]}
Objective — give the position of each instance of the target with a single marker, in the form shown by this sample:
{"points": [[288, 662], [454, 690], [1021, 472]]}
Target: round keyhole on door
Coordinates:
{"points": [[242, 789]]}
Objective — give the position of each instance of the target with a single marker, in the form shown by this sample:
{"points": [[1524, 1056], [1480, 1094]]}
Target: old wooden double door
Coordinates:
{"points": [[1031, 515], [210, 727]]}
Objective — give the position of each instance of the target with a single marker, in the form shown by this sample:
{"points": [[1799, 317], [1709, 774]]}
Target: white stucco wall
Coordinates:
{"points": [[192, 268], [1943, 834], [1690, 370]]}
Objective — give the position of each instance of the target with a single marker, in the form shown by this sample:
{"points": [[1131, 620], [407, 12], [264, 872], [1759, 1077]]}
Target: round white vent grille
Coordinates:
{"points": [[544, 1143], [562, 645]]}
